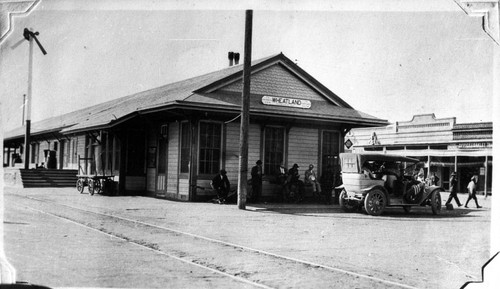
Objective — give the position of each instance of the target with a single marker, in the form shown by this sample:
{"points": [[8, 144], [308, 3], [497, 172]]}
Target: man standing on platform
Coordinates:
{"points": [[257, 181]]}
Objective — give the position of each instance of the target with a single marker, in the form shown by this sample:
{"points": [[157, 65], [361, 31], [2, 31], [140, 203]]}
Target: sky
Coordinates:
{"points": [[393, 59]]}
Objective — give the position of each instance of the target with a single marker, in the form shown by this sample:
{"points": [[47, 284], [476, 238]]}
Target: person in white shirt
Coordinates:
{"points": [[471, 188]]}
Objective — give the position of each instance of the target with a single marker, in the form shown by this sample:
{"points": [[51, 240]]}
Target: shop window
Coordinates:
{"points": [[417, 147], [274, 149], [185, 147], [210, 147], [439, 147], [400, 148], [370, 149]]}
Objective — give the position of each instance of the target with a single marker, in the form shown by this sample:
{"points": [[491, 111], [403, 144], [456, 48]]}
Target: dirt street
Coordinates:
{"points": [[59, 238]]}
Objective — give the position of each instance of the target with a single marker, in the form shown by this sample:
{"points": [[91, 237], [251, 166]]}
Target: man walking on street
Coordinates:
{"points": [[472, 191], [453, 190]]}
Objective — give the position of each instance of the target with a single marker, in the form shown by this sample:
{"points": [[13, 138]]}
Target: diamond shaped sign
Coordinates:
{"points": [[348, 143]]}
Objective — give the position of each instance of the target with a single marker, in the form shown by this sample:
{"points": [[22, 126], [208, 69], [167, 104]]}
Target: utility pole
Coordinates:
{"points": [[24, 107], [245, 113], [29, 35]]}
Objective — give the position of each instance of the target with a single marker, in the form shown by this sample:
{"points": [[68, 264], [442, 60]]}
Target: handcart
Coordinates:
{"points": [[96, 183]]}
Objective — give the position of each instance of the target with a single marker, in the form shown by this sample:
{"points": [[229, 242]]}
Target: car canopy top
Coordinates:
{"points": [[352, 162]]}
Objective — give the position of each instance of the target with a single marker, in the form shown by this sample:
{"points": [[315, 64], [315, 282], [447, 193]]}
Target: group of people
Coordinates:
{"points": [[293, 188], [289, 179], [471, 189], [418, 182], [220, 184]]}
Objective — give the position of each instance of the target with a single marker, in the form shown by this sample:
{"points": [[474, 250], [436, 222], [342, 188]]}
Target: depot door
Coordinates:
{"points": [[330, 148], [161, 180]]}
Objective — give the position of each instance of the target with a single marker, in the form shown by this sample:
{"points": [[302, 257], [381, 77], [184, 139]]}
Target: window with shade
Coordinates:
{"points": [[274, 149], [210, 148]]}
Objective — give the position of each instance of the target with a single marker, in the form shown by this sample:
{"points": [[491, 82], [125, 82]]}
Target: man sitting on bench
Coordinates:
{"points": [[221, 185], [311, 179]]}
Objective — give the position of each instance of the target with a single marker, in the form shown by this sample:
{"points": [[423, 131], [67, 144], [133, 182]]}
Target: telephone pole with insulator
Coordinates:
{"points": [[30, 36]]}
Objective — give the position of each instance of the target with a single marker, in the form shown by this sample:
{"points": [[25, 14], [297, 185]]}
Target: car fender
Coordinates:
{"points": [[429, 190], [366, 190]]}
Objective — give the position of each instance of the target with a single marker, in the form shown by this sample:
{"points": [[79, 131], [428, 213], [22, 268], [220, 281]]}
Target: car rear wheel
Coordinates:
{"points": [[436, 202], [347, 205], [375, 202]]}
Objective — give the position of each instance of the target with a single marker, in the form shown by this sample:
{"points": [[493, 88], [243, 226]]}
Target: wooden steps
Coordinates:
{"points": [[41, 178]]}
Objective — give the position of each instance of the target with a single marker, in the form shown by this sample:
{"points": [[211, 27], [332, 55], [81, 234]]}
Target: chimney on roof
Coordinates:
{"points": [[236, 58], [230, 55]]}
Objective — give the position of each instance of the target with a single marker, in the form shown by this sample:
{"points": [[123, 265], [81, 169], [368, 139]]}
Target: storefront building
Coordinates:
{"points": [[443, 145], [170, 141]]}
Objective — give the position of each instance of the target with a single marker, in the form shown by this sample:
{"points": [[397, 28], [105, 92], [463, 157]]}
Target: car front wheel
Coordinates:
{"points": [[375, 202], [436, 202], [347, 205]]}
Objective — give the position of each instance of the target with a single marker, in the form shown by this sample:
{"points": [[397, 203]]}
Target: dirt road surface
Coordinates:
{"points": [[60, 238]]}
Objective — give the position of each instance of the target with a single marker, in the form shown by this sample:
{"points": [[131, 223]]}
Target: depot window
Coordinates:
{"points": [[274, 149], [210, 147]]}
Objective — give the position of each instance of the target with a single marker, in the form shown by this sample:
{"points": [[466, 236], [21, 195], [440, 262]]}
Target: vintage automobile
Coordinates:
{"points": [[377, 181]]}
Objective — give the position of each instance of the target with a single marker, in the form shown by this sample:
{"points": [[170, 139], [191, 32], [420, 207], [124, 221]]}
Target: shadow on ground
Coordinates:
{"points": [[391, 212]]}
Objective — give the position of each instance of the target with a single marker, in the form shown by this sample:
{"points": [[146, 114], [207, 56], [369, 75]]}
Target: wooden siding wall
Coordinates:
{"points": [[173, 157], [232, 154], [232, 151], [73, 143], [69, 147], [277, 81], [80, 146], [183, 189], [303, 148], [254, 134], [80, 149]]}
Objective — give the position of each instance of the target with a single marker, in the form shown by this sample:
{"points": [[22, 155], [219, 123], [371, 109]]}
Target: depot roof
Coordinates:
{"points": [[206, 92]]}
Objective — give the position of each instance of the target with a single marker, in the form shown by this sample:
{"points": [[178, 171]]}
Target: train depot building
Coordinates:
{"points": [[170, 141], [443, 145]]}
